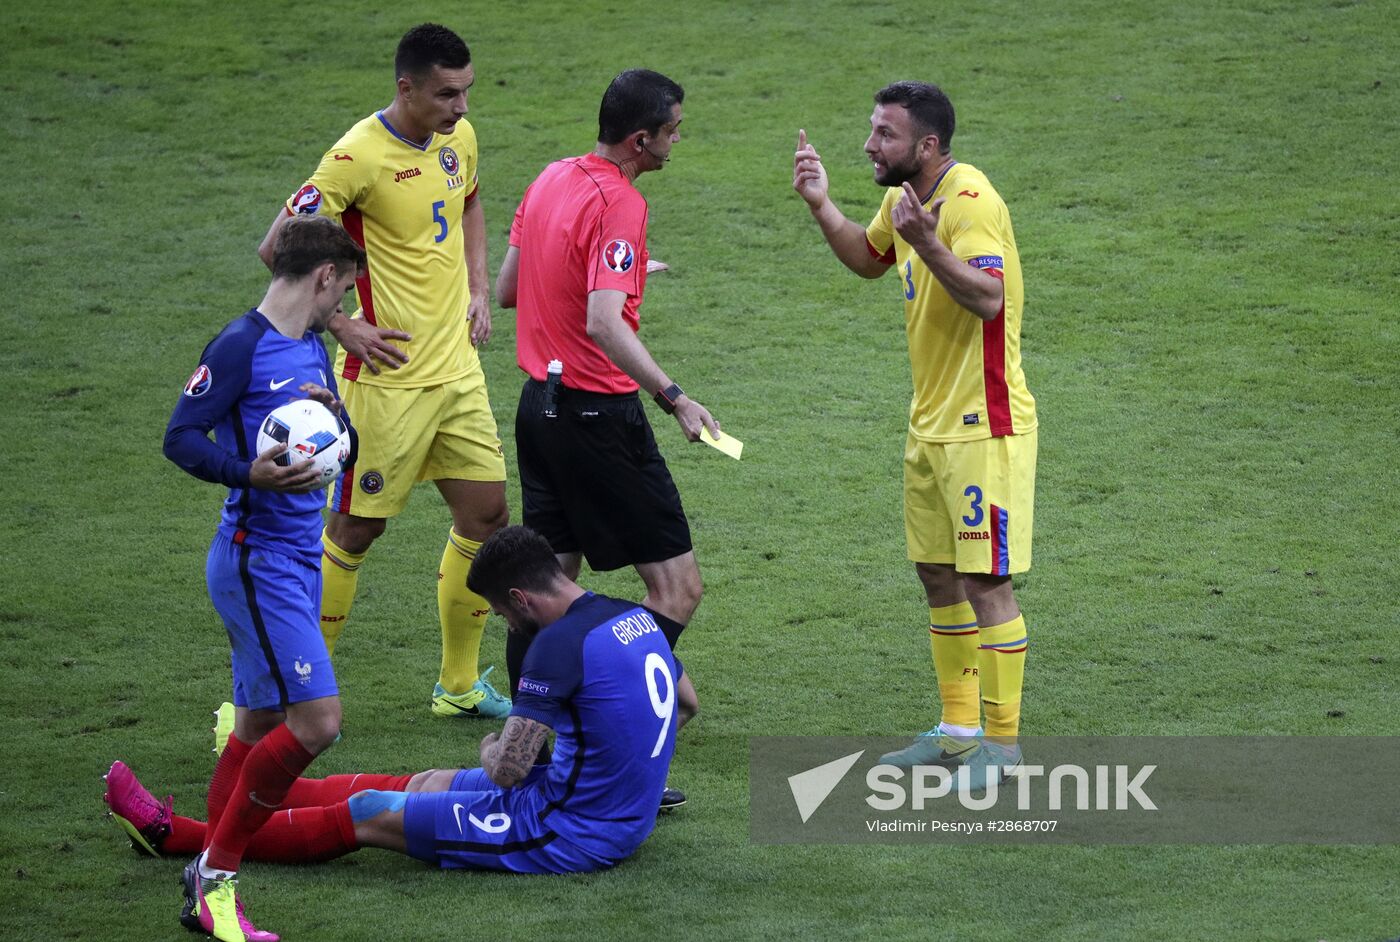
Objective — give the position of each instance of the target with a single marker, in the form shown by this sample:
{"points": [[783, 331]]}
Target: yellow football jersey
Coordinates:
{"points": [[968, 382], [403, 203]]}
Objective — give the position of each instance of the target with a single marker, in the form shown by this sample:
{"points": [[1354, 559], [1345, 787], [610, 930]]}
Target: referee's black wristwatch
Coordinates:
{"points": [[667, 397]]}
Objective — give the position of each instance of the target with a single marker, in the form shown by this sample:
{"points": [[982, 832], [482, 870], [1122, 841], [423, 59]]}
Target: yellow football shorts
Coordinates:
{"points": [[971, 504], [429, 433]]}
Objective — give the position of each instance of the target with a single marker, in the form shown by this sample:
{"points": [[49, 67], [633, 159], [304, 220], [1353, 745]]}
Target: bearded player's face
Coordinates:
{"points": [[439, 100], [517, 618], [893, 145]]}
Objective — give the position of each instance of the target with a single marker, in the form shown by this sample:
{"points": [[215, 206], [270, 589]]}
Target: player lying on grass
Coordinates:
{"points": [[599, 673]]}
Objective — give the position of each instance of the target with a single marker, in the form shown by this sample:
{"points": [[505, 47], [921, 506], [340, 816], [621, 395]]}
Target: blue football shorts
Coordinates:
{"points": [[271, 607], [480, 826]]}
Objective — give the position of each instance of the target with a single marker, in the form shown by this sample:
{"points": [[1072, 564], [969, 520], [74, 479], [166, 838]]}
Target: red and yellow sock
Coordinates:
{"points": [[340, 573], [462, 614], [1002, 662], [952, 633]]}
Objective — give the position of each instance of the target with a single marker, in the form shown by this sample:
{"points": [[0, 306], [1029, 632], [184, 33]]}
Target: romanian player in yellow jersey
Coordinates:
{"points": [[969, 458], [403, 183]]}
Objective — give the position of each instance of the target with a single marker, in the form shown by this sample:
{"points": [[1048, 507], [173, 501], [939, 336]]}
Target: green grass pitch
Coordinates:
{"points": [[1204, 198]]}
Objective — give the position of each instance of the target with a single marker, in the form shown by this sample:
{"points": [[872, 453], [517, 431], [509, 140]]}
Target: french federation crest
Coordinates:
{"points": [[199, 382], [448, 158], [307, 202], [618, 256]]}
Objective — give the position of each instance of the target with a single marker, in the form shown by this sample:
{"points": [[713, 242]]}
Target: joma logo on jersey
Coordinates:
{"points": [[403, 175], [964, 535]]}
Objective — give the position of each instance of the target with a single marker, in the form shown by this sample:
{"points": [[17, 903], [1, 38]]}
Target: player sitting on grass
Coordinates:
{"points": [[599, 673]]}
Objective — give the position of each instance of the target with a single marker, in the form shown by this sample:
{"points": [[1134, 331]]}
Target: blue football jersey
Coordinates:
{"points": [[604, 678], [248, 370]]}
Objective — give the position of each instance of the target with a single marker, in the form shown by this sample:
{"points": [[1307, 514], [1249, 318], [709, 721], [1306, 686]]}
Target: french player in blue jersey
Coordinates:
{"points": [[599, 674], [263, 568]]}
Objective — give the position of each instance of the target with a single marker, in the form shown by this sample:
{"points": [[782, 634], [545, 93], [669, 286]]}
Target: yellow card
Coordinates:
{"points": [[726, 443]]}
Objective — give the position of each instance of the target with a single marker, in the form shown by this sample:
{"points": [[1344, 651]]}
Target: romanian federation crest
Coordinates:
{"points": [[371, 482], [448, 158]]}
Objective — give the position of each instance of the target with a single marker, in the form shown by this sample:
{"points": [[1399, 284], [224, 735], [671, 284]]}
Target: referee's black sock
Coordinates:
{"points": [[669, 627], [517, 643]]}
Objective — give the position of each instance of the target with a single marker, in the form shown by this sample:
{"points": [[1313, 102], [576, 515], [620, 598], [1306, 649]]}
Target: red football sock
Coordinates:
{"points": [[268, 773], [304, 835], [319, 792], [225, 777], [186, 837]]}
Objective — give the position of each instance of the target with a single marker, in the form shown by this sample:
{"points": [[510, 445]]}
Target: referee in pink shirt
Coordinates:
{"points": [[593, 481]]}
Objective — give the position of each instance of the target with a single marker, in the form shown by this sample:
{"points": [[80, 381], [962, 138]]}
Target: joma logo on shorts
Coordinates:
{"points": [[403, 175], [975, 535]]}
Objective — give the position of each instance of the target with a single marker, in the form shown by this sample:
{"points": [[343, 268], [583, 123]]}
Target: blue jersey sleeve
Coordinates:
{"points": [[551, 675], [211, 394]]}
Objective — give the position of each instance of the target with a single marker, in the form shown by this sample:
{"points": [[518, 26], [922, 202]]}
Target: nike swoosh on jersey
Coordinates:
{"points": [[276, 386], [457, 813]]}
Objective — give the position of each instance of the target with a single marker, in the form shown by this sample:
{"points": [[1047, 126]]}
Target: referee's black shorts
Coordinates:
{"points": [[593, 481]]}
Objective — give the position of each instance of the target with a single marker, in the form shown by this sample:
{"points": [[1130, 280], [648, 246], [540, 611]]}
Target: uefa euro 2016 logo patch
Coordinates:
{"points": [[618, 255], [199, 382], [448, 158], [307, 201]]}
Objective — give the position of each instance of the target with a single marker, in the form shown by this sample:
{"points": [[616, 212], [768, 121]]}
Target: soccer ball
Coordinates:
{"points": [[312, 431]]}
